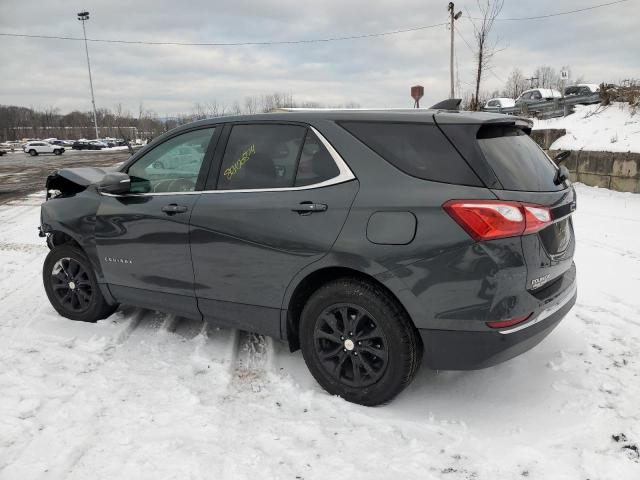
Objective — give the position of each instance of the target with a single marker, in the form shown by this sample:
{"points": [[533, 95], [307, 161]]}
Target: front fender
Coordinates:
{"points": [[75, 216]]}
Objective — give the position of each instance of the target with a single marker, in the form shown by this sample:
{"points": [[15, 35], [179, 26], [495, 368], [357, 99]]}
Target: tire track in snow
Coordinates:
{"points": [[23, 247], [253, 361]]}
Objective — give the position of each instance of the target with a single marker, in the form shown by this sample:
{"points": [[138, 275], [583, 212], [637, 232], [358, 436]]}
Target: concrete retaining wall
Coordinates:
{"points": [[615, 170], [547, 136]]}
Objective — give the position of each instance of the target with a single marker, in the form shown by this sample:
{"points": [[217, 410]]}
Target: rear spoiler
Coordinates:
{"points": [[448, 104]]}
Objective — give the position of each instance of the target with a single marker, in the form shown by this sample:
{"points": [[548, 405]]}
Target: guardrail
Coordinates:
{"points": [[557, 107]]}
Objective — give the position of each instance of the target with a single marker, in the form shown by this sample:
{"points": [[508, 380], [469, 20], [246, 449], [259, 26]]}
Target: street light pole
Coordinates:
{"points": [[83, 16], [454, 16]]}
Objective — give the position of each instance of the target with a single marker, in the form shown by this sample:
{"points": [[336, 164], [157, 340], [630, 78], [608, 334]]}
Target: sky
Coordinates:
{"points": [[598, 45]]}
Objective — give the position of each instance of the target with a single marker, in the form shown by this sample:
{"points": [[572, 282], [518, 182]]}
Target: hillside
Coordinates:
{"points": [[614, 128]]}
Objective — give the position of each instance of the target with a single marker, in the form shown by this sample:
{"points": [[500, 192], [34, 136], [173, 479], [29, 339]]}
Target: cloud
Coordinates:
{"points": [[599, 45]]}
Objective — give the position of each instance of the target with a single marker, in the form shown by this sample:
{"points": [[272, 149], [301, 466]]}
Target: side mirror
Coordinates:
{"points": [[559, 158], [115, 183], [562, 175]]}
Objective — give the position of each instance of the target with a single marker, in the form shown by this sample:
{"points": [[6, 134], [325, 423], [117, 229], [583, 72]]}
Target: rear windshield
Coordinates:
{"points": [[417, 149], [518, 162]]}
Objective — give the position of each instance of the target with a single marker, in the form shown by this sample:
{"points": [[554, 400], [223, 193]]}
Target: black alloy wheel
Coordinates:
{"points": [[350, 345], [358, 341], [71, 284]]}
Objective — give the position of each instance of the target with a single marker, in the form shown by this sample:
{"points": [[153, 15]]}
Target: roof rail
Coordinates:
{"points": [[448, 104]]}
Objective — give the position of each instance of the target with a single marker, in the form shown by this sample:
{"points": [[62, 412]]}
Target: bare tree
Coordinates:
{"points": [[515, 84], [250, 105], [489, 10], [547, 76]]}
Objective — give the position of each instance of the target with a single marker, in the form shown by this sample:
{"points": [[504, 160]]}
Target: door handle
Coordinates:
{"points": [[307, 208], [173, 208]]}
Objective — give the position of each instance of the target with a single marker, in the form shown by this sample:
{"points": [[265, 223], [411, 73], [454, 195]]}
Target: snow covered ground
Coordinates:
{"points": [[145, 395], [615, 128]]}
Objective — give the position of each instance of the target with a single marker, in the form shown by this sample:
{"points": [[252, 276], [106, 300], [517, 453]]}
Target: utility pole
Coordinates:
{"points": [[84, 16], [454, 17], [531, 79]]}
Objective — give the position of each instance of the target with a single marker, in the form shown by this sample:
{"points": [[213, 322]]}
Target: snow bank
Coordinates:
{"points": [[146, 395], [615, 128]]}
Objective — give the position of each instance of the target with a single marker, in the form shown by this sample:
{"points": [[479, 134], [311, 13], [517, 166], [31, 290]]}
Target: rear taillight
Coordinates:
{"points": [[491, 219]]}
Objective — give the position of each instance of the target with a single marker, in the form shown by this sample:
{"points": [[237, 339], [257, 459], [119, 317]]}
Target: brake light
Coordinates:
{"points": [[491, 219], [508, 323]]}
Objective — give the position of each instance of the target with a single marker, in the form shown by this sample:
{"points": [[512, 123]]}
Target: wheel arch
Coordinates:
{"points": [[59, 237], [314, 280], [56, 238]]}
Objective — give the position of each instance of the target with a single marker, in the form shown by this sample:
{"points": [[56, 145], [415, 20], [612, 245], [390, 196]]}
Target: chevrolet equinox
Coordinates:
{"points": [[370, 240]]}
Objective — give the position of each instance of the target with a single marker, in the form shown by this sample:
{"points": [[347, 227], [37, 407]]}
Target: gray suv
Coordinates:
{"points": [[371, 240]]}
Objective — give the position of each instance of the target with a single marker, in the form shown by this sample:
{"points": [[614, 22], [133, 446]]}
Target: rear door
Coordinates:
{"points": [[275, 203]]}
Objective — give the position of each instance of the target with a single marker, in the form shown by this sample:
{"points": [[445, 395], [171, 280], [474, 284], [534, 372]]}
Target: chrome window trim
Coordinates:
{"points": [[345, 174], [547, 312]]}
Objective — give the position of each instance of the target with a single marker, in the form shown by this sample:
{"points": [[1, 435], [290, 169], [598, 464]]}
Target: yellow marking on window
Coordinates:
{"points": [[238, 164]]}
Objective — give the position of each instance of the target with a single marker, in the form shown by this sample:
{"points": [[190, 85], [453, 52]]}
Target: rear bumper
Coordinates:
{"points": [[471, 350]]}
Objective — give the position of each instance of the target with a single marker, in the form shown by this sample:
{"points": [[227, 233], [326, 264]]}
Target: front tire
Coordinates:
{"points": [[358, 342], [72, 287], [33, 153]]}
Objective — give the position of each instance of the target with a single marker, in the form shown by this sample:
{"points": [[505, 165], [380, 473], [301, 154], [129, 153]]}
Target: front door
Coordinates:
{"points": [[280, 203], [142, 238]]}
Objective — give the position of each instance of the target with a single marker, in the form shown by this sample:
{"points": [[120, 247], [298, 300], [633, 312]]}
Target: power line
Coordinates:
{"points": [[230, 44], [465, 41], [473, 51], [568, 12], [293, 42]]}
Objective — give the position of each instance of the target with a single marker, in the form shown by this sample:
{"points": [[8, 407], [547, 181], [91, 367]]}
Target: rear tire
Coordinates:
{"points": [[57, 152], [358, 342], [72, 287], [33, 153]]}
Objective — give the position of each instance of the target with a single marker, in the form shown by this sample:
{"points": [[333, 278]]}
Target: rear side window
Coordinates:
{"points": [[517, 160], [419, 150], [261, 156], [316, 164]]}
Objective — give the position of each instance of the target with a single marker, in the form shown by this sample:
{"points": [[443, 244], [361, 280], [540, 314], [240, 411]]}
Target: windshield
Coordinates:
{"points": [[518, 162]]}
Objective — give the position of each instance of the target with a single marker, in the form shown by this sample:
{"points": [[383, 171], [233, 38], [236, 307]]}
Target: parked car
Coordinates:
{"points": [[590, 92], [368, 239], [497, 104], [109, 142], [537, 95], [38, 148], [88, 145], [2, 152], [581, 89]]}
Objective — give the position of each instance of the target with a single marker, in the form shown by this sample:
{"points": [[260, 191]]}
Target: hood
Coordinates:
{"points": [[69, 181]]}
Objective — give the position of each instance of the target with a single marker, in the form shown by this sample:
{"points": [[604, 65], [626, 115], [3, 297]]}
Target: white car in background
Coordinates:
{"points": [[497, 104], [40, 147]]}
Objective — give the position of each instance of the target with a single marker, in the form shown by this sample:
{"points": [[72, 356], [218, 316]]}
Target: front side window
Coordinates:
{"points": [[261, 156], [172, 166]]}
